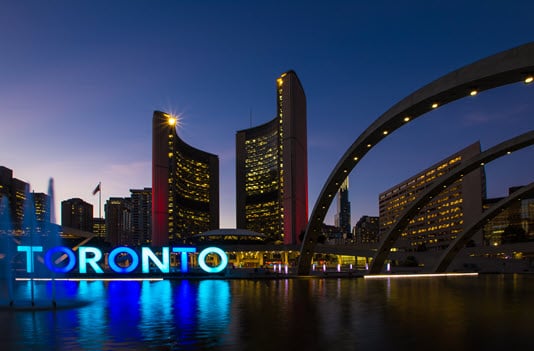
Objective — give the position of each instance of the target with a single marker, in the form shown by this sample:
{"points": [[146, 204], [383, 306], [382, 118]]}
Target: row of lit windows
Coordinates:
{"points": [[262, 172], [424, 178], [192, 178], [264, 207], [189, 221], [261, 140], [281, 133], [402, 199], [265, 218], [261, 164], [253, 162]]}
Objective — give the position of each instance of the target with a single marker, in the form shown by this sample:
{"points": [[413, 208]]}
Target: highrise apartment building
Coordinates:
{"points": [[446, 215], [185, 185], [16, 192], [366, 230], [514, 223], [99, 227], [141, 200], [42, 209], [272, 168], [118, 221], [77, 214]]}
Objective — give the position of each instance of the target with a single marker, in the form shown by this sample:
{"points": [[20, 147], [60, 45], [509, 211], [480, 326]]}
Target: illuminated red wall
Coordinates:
{"points": [[160, 174], [295, 156]]}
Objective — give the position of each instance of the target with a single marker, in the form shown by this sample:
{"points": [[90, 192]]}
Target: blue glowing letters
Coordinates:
{"points": [[91, 256]]}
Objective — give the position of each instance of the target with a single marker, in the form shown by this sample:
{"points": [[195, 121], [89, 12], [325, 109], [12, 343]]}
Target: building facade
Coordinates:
{"points": [[99, 227], [16, 192], [272, 169], [513, 224], [77, 214], [342, 217], [445, 216], [366, 230], [41, 203], [118, 221], [185, 185], [141, 216]]}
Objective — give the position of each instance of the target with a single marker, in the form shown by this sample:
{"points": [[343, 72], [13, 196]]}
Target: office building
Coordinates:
{"points": [[141, 200], [185, 185], [42, 209], [513, 224], [77, 214], [366, 230], [6, 176], [118, 221], [342, 217], [16, 191], [272, 169], [445, 216], [99, 227]]}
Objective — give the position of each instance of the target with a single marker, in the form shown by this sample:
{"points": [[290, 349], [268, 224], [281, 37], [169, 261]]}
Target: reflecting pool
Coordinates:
{"points": [[489, 312]]}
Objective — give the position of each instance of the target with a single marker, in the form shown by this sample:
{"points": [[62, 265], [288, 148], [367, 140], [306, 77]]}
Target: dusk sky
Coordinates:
{"points": [[79, 81]]}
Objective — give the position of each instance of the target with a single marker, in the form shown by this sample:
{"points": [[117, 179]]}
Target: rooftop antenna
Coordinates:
{"points": [[250, 117]]}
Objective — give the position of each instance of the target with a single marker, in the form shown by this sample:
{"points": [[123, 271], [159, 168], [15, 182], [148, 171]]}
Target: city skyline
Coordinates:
{"points": [[81, 81]]}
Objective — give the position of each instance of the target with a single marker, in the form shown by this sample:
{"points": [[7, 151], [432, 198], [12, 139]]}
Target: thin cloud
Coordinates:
{"points": [[480, 118]]}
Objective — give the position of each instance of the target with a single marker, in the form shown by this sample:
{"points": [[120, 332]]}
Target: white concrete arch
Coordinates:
{"points": [[467, 166], [504, 68]]}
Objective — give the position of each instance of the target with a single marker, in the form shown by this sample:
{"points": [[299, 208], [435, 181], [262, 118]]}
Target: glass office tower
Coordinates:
{"points": [[272, 169], [185, 185]]}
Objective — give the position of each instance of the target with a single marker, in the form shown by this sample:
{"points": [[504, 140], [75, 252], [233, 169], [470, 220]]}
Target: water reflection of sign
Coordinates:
{"points": [[91, 256]]}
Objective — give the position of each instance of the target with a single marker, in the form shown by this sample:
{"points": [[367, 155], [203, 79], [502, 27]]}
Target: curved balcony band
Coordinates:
{"points": [[502, 149], [462, 239], [504, 68], [185, 185]]}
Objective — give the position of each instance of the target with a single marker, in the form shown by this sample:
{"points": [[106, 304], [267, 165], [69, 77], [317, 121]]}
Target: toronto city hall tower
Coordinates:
{"points": [[272, 169], [185, 185]]}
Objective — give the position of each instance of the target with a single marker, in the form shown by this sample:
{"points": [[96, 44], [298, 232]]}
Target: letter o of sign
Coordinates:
{"points": [[116, 267], [49, 259], [216, 269]]}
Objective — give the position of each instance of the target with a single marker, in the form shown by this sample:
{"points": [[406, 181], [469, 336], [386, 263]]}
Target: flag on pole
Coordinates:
{"points": [[97, 189]]}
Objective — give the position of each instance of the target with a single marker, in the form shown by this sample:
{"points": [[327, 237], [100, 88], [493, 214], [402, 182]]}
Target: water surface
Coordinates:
{"points": [[489, 312]]}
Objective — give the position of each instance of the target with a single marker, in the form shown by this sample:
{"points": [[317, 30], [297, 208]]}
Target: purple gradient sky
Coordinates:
{"points": [[79, 81]]}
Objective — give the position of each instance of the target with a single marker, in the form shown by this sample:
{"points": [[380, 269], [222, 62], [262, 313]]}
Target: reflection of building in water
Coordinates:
{"points": [[445, 216], [514, 224]]}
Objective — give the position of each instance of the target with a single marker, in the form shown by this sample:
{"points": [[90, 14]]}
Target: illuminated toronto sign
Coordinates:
{"points": [[90, 257]]}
